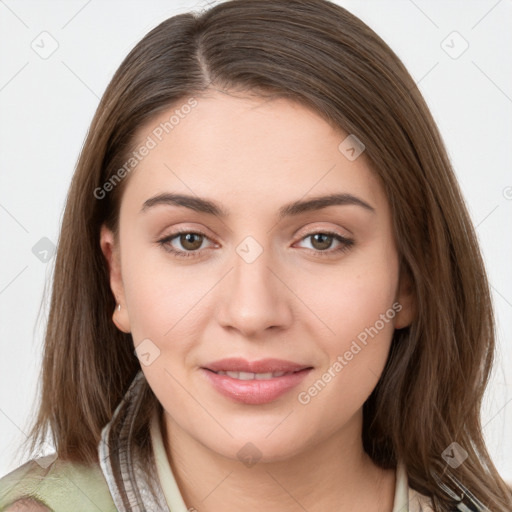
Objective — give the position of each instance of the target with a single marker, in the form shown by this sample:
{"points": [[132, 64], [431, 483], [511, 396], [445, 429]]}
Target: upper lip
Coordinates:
{"points": [[234, 364]]}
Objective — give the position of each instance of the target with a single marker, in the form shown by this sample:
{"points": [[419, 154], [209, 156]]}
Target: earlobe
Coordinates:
{"points": [[121, 319], [110, 251], [406, 297]]}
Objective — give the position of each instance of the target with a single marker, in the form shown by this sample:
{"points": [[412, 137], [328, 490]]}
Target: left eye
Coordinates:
{"points": [[322, 241], [192, 241]]}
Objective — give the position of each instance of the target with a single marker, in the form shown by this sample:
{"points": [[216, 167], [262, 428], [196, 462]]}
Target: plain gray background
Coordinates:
{"points": [[47, 103]]}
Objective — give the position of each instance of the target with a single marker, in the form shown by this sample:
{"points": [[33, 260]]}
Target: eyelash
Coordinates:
{"points": [[346, 244]]}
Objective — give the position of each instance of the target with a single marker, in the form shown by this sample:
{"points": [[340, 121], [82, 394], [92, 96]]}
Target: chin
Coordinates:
{"points": [[258, 447]]}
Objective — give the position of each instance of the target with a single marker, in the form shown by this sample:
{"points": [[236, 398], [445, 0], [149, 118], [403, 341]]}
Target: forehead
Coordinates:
{"points": [[247, 153]]}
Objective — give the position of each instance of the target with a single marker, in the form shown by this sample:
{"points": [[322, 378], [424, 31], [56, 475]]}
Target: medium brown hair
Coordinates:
{"points": [[316, 53]]}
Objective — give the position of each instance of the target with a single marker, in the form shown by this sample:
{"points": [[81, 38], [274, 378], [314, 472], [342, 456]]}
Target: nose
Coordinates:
{"points": [[254, 297]]}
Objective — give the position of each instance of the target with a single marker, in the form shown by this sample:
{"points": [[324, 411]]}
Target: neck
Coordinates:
{"points": [[334, 474]]}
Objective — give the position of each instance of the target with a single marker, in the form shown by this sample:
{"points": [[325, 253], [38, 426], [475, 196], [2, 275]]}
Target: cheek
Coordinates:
{"points": [[357, 307], [353, 295], [355, 358], [168, 306], [161, 297]]}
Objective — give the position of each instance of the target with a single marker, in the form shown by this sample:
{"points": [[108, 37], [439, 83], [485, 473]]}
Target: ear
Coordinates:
{"points": [[110, 250], [406, 297]]}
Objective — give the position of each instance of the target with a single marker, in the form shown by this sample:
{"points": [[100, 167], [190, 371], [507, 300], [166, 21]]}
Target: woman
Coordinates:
{"points": [[268, 292]]}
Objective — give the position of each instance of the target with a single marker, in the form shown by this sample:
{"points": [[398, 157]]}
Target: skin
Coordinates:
{"points": [[294, 302]]}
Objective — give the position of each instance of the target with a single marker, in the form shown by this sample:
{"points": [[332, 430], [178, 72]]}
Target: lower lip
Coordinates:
{"points": [[255, 392]]}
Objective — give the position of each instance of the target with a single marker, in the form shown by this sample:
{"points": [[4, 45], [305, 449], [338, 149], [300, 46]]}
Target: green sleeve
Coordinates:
{"points": [[62, 486]]}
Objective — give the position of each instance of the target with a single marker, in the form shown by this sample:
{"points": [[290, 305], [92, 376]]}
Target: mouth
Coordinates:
{"points": [[254, 376], [256, 382], [260, 367]]}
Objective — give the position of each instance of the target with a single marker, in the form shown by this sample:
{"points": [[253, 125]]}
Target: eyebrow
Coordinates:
{"points": [[208, 206]]}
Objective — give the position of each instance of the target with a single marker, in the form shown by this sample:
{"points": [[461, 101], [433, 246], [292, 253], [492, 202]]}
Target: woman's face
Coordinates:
{"points": [[265, 273]]}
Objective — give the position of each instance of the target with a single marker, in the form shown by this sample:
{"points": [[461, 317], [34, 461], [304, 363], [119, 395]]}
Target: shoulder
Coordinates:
{"points": [[49, 484]]}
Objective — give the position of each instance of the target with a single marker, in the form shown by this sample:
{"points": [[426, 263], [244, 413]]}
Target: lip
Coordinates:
{"points": [[237, 364], [255, 392]]}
